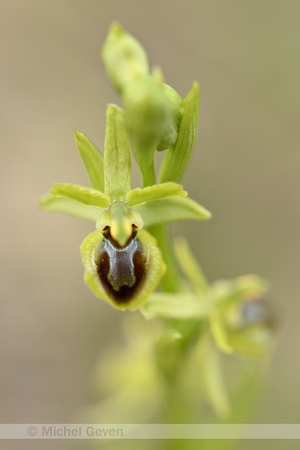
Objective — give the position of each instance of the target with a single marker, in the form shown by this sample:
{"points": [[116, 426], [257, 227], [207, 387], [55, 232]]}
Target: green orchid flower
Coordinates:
{"points": [[228, 317], [230, 308], [122, 261]]}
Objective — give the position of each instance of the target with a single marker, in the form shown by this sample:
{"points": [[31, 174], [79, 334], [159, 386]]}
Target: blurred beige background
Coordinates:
{"points": [[245, 56]]}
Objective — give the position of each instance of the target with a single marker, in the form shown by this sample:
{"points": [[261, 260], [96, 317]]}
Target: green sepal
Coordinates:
{"points": [[70, 207], [117, 155], [92, 160], [172, 209], [256, 341], [86, 196], [124, 58], [156, 192], [177, 158], [181, 306], [220, 333]]}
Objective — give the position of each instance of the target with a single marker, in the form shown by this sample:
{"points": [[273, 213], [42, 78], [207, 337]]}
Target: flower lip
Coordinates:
{"points": [[121, 269]]}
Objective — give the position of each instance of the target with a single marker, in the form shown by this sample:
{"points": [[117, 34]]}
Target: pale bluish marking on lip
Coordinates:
{"points": [[121, 267]]}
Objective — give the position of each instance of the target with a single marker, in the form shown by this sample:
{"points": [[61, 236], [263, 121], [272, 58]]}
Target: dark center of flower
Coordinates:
{"points": [[121, 270]]}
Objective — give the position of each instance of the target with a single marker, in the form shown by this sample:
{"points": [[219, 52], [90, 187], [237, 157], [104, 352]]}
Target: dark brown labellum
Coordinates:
{"points": [[121, 270]]}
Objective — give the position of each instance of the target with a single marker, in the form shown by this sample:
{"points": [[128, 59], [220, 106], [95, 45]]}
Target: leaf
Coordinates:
{"points": [[92, 160], [171, 209], [117, 156], [68, 206], [155, 192], [84, 195], [180, 306], [177, 158]]}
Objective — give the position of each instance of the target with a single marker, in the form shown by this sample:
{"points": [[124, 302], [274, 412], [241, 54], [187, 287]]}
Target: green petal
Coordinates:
{"points": [[171, 209], [190, 267], [117, 156], [92, 159], [180, 306], [84, 195], [68, 206], [178, 157], [155, 192], [154, 270], [220, 333]]}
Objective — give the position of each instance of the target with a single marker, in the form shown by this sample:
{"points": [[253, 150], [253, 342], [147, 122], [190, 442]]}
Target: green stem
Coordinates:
{"points": [[170, 281], [148, 176]]}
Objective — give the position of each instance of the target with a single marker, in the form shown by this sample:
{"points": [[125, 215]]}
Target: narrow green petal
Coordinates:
{"points": [[117, 156], [190, 267], [155, 192], [177, 158], [68, 206], [171, 209], [92, 159], [183, 305], [84, 195], [220, 334]]}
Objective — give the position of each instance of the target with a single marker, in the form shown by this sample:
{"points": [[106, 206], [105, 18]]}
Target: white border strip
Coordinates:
{"points": [[149, 431]]}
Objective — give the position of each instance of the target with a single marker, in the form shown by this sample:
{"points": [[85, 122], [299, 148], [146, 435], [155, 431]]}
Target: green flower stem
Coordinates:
{"points": [[148, 176], [170, 281]]}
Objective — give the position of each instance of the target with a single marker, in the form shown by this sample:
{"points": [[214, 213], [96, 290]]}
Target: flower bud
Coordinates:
{"points": [[171, 131], [124, 58], [147, 114]]}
